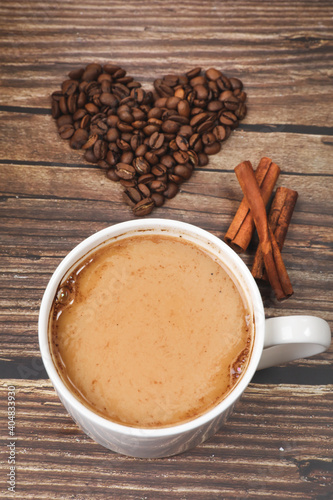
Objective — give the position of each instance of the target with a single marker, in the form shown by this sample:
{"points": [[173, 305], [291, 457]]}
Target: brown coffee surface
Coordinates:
{"points": [[150, 331]]}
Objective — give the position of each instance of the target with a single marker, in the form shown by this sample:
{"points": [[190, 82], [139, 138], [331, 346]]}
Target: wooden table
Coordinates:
{"points": [[278, 442]]}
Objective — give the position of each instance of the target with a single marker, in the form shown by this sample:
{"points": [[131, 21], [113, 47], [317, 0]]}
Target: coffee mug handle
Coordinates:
{"points": [[293, 337]]}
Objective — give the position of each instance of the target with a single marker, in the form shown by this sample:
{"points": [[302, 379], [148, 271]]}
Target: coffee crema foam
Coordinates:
{"points": [[150, 331]]}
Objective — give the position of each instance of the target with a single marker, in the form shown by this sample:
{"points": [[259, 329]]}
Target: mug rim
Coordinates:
{"points": [[123, 228]]}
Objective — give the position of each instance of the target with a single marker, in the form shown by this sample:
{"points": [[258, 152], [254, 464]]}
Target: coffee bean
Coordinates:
{"points": [[195, 142], [154, 121], [90, 142], [186, 131], [63, 105], [144, 207], [134, 195], [158, 199], [242, 96], [199, 118], [236, 84], [125, 127], [100, 149], [85, 122], [182, 143], [215, 106], [219, 132], [172, 102], [103, 164], [125, 171], [207, 125], [76, 74], [55, 110], [69, 87], [140, 150], [92, 72], [110, 68], [112, 175], [164, 90], [170, 80], [200, 103], [79, 114], [125, 115], [90, 157], [168, 161], [112, 121], [197, 80], [176, 179], [127, 157], [78, 139], [144, 190], [139, 95], [159, 170], [229, 100], [56, 95], [171, 190], [112, 158], [193, 158], [156, 140], [150, 145], [203, 159], [158, 186], [112, 135], [71, 103], [120, 90], [181, 120], [213, 74], [162, 150], [146, 178], [182, 171], [208, 138], [213, 148], [127, 199], [193, 73], [128, 183], [141, 165], [228, 118], [91, 108], [170, 127], [108, 99], [241, 111], [151, 157], [181, 156], [66, 131], [183, 108], [223, 83], [150, 129], [202, 92]]}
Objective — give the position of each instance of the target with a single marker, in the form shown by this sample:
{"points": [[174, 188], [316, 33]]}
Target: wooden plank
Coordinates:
{"points": [[278, 443], [264, 451], [294, 56], [296, 153], [78, 201]]}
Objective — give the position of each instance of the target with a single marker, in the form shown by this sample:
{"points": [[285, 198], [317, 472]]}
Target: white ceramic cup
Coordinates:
{"points": [[276, 340]]}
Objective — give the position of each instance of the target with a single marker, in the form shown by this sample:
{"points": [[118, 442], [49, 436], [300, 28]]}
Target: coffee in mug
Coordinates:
{"points": [[150, 330]]}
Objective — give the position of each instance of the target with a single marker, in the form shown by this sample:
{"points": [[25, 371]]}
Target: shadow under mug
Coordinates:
{"points": [[276, 340]]}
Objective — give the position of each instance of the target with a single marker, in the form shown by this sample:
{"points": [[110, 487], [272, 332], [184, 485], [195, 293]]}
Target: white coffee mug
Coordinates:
{"points": [[276, 340]]}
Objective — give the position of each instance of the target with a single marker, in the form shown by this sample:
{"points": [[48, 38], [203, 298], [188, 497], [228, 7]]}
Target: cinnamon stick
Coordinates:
{"points": [[276, 271], [241, 229], [279, 219]]}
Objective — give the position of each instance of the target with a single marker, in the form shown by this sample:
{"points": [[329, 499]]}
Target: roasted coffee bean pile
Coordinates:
{"points": [[148, 141]]}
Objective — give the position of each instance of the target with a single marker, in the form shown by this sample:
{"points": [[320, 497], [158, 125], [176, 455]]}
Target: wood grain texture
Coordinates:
{"points": [[271, 446], [243, 38], [278, 443]]}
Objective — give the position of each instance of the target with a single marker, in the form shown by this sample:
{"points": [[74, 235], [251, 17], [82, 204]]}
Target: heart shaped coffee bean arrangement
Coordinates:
{"points": [[148, 141]]}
